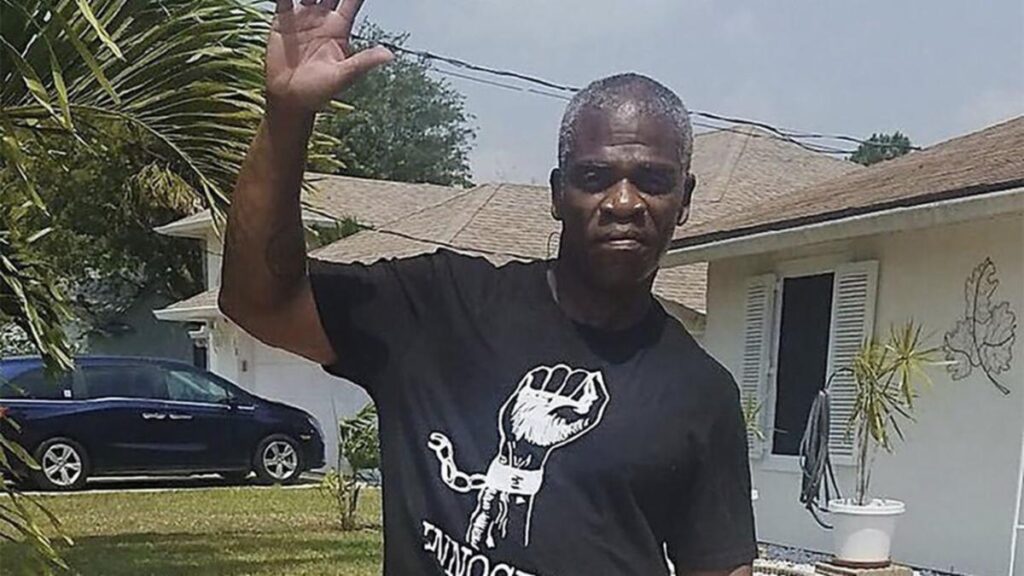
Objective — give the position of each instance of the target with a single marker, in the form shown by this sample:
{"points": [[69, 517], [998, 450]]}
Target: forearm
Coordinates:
{"points": [[264, 248]]}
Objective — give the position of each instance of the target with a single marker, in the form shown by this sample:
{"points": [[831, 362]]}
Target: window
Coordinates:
{"points": [[802, 357], [123, 381], [35, 385], [187, 386], [796, 334]]}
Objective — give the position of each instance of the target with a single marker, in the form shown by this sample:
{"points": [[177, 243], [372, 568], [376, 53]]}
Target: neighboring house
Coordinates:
{"points": [[135, 332], [798, 282], [501, 222]]}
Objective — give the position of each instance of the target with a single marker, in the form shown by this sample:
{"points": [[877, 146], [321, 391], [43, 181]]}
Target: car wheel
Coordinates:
{"points": [[235, 477], [63, 465], [278, 460]]}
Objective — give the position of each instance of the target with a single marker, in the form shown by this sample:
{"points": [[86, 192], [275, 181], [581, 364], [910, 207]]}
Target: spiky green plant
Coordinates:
{"points": [[888, 377]]}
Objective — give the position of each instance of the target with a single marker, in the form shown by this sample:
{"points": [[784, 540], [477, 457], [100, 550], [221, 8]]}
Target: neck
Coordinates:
{"points": [[586, 303]]}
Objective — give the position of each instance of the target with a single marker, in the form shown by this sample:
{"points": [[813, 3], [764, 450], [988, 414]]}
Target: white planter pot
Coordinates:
{"points": [[863, 534]]}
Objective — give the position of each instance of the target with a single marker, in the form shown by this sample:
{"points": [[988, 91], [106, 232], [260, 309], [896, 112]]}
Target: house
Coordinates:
{"points": [[797, 282], [499, 221]]}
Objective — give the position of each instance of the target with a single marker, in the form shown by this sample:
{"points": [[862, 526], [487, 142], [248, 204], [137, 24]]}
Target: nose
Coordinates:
{"points": [[623, 202]]}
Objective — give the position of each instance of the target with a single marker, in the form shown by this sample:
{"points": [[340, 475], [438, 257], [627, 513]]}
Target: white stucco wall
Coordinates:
{"points": [[959, 469], [214, 248]]}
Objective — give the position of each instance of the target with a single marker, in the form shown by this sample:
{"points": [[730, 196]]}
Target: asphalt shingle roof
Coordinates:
{"points": [[511, 221], [502, 222], [985, 161]]}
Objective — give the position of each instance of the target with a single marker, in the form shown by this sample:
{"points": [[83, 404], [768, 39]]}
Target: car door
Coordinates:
{"points": [[40, 406], [128, 422], [205, 419]]}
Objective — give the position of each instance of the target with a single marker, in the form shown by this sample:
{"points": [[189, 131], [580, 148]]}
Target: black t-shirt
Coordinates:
{"points": [[516, 442]]}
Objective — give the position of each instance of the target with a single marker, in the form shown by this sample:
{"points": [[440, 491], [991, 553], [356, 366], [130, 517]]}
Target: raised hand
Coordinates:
{"points": [[309, 56]]}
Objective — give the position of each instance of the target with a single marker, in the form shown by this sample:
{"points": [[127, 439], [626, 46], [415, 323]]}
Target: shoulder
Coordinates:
{"points": [[703, 371], [468, 269], [477, 282]]}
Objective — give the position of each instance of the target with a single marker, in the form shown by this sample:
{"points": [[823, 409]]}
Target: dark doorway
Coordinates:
{"points": [[802, 356]]}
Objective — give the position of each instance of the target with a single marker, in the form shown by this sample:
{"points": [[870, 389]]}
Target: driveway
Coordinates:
{"points": [[167, 483]]}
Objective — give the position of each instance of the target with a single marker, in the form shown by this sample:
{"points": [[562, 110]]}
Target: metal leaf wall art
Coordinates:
{"points": [[984, 337]]}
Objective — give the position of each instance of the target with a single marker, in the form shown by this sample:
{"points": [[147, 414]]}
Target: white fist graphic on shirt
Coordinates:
{"points": [[551, 407]]}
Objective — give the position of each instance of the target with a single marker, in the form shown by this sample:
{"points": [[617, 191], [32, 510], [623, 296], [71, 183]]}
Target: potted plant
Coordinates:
{"points": [[887, 377]]}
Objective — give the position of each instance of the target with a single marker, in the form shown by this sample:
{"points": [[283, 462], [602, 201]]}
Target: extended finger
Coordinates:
{"points": [[350, 8], [355, 66], [348, 11]]}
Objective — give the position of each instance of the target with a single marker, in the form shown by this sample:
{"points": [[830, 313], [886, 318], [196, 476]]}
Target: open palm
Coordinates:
{"points": [[309, 57]]}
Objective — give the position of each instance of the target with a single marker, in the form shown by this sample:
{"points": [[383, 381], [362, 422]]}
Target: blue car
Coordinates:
{"points": [[127, 416]]}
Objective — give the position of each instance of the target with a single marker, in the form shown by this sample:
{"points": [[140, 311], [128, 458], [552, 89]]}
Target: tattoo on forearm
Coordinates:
{"points": [[286, 252]]}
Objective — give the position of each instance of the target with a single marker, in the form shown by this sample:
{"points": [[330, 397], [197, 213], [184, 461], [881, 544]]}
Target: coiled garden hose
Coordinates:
{"points": [[815, 462]]}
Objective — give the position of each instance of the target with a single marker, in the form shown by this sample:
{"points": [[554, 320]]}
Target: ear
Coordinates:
{"points": [[556, 194], [688, 187]]}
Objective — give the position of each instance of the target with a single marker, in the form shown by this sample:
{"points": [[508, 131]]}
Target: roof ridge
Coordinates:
{"points": [[475, 212], [328, 176], [734, 162], [429, 207]]}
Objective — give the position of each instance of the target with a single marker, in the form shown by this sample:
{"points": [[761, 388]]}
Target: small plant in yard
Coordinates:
{"points": [[358, 445], [887, 378]]}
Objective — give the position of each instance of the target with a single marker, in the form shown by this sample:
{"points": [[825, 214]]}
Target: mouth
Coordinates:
{"points": [[626, 240], [623, 243]]}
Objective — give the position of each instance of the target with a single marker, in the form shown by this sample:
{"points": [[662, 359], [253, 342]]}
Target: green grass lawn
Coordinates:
{"points": [[222, 531]]}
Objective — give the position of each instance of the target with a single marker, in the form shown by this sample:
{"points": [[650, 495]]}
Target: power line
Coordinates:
{"points": [[470, 66], [792, 136], [816, 148], [500, 84]]}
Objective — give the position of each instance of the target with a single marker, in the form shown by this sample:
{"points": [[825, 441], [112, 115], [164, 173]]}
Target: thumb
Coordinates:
{"points": [[355, 66]]}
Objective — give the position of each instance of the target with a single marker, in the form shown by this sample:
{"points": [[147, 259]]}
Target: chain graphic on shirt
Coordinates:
{"points": [[551, 407], [456, 479]]}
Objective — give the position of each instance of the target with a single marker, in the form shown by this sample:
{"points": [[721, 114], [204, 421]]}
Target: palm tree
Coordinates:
{"points": [[188, 74]]}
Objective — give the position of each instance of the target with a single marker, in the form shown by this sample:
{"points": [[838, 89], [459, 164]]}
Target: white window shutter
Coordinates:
{"points": [[853, 320], [757, 339]]}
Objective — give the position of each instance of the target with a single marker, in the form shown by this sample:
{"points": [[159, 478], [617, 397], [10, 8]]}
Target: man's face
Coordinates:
{"points": [[620, 195]]}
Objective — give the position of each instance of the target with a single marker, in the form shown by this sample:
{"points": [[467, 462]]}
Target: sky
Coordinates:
{"points": [[932, 69]]}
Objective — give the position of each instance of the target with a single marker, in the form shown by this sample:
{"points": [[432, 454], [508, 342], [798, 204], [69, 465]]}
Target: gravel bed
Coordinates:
{"points": [[807, 557]]}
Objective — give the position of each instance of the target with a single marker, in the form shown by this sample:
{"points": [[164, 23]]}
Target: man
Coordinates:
{"points": [[545, 418]]}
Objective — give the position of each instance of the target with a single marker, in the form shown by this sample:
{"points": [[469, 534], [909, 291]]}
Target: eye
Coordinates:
{"points": [[590, 178], [654, 180]]}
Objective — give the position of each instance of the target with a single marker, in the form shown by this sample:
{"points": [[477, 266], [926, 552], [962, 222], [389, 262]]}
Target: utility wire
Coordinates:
{"points": [[817, 148], [470, 66], [792, 136], [773, 134], [499, 84]]}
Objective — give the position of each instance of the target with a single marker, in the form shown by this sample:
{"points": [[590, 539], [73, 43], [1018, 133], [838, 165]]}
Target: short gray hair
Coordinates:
{"points": [[652, 98]]}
